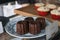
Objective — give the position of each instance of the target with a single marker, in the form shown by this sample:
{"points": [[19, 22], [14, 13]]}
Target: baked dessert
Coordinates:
{"points": [[29, 25], [42, 22], [51, 6], [43, 11], [34, 27], [28, 19], [37, 5], [55, 14], [21, 27]]}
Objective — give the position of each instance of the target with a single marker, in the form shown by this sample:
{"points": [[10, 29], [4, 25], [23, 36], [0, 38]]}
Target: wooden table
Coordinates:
{"points": [[31, 11]]}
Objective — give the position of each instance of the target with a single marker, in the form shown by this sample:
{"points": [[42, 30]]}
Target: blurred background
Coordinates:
{"points": [[5, 16]]}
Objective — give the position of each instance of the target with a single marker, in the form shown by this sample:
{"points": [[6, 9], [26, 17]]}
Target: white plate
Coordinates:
{"points": [[11, 29]]}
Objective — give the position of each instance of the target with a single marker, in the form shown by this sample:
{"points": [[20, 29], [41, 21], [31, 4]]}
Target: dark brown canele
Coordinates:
{"points": [[34, 28], [42, 22], [29, 19], [22, 27]]}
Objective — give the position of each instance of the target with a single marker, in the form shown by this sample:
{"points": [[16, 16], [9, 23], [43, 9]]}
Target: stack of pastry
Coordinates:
{"points": [[29, 25]]}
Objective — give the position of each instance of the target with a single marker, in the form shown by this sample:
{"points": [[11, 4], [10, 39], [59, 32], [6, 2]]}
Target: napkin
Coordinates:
{"points": [[1, 28]]}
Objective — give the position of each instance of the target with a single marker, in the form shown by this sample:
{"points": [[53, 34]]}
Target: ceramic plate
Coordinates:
{"points": [[11, 29]]}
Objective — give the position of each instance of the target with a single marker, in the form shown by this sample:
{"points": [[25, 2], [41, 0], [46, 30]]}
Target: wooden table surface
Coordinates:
{"points": [[5, 36]]}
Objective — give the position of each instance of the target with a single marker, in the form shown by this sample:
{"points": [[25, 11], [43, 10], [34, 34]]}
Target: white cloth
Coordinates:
{"points": [[51, 30], [9, 9], [1, 10], [1, 28]]}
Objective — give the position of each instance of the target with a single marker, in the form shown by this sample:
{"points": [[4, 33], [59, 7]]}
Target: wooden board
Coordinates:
{"points": [[30, 11], [26, 11]]}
